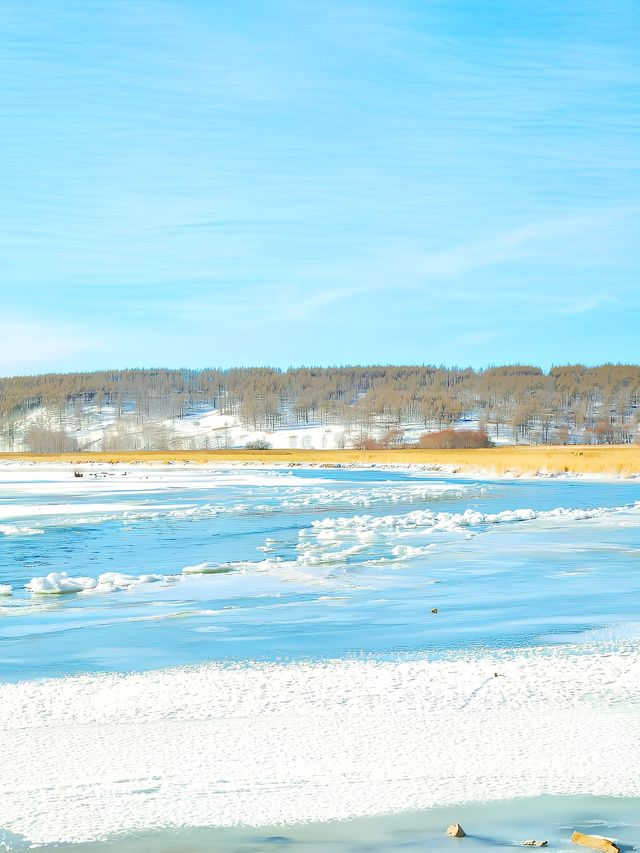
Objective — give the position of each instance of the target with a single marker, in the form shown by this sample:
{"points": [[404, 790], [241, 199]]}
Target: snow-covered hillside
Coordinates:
{"points": [[90, 428]]}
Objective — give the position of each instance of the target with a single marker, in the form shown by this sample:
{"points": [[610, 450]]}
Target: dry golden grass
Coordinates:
{"points": [[611, 460]]}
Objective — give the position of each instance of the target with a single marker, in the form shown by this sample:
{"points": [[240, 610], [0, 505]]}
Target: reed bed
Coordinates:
{"points": [[603, 460]]}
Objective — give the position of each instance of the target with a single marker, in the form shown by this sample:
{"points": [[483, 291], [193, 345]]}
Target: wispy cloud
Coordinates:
{"points": [[534, 240], [581, 306], [298, 307]]}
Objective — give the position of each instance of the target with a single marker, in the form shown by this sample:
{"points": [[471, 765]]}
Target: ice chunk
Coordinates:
{"points": [[58, 583], [16, 530], [207, 569]]}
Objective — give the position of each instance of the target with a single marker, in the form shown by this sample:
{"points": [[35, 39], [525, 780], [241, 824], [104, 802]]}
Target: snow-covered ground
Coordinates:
{"points": [[227, 431], [267, 744]]}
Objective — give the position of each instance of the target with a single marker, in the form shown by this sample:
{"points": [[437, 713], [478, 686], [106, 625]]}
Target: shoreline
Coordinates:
{"points": [[540, 460], [488, 825]]}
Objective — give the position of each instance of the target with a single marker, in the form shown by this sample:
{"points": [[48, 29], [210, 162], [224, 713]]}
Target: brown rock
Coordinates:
{"points": [[596, 842], [455, 831], [435, 610]]}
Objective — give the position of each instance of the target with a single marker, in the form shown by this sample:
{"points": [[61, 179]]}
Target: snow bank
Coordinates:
{"points": [[269, 744]]}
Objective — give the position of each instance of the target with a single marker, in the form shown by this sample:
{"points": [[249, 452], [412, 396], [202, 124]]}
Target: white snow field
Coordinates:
{"points": [[265, 744]]}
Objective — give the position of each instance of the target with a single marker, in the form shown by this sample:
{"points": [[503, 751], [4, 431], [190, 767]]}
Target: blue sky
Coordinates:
{"points": [[205, 182]]}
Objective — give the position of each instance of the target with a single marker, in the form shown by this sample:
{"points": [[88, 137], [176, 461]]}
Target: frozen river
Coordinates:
{"points": [[391, 608]]}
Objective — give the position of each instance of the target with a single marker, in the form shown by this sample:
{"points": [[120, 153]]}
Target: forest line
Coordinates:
{"points": [[518, 403]]}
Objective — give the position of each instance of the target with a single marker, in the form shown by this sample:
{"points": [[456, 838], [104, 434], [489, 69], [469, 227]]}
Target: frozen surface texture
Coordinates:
{"points": [[265, 744]]}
